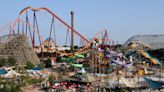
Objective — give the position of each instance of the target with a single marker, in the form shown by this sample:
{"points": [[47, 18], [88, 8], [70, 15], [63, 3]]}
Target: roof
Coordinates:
{"points": [[154, 41]]}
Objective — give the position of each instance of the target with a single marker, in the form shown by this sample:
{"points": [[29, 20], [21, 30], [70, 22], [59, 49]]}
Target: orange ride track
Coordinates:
{"points": [[103, 33]]}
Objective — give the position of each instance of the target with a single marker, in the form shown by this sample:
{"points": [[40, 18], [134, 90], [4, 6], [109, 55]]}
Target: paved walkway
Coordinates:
{"points": [[32, 88]]}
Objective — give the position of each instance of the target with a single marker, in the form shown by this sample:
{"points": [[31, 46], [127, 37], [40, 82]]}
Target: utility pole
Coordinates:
{"points": [[72, 31]]}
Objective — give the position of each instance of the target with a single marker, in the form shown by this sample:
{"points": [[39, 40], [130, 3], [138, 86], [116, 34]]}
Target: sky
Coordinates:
{"points": [[122, 18]]}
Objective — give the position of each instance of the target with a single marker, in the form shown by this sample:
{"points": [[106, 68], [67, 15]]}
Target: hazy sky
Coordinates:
{"points": [[122, 18]]}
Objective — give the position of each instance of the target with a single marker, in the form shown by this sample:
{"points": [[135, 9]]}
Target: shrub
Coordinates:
{"points": [[29, 65], [48, 63], [2, 62], [11, 61]]}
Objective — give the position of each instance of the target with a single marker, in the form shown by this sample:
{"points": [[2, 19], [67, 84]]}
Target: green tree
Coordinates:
{"points": [[50, 79], [15, 88], [48, 63], [2, 62], [41, 65], [11, 87], [11, 61], [29, 65], [76, 47]]}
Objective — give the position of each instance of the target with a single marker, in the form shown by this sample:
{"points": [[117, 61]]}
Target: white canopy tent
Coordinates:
{"points": [[131, 84], [11, 74]]}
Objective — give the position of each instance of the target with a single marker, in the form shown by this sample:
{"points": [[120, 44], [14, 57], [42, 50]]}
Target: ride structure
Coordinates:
{"points": [[17, 46], [142, 48], [61, 39]]}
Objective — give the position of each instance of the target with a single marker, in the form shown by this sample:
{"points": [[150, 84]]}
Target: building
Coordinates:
{"points": [[150, 41]]}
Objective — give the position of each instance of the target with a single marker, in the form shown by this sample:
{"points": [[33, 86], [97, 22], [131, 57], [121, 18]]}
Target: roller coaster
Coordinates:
{"points": [[59, 35]]}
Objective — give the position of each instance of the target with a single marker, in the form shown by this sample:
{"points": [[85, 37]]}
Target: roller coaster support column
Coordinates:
{"points": [[72, 31]]}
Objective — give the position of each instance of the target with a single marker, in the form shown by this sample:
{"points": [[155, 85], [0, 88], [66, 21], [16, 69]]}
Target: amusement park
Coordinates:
{"points": [[58, 58]]}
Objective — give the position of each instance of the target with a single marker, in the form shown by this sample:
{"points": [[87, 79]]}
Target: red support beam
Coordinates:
{"points": [[54, 15]]}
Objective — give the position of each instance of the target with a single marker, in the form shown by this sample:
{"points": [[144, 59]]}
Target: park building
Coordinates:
{"points": [[146, 41]]}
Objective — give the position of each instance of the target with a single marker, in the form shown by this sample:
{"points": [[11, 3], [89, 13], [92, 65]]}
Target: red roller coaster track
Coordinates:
{"points": [[104, 34]]}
